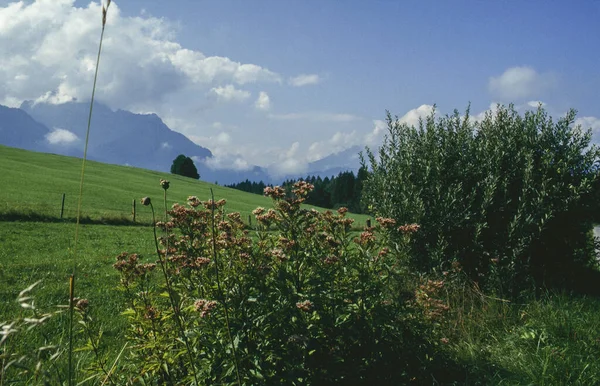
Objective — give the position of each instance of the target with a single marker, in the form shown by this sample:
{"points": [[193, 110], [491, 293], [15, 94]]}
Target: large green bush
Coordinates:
{"points": [[507, 198], [303, 301]]}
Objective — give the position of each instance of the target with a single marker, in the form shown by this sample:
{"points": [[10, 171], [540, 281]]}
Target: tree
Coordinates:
{"points": [[507, 198], [184, 166]]}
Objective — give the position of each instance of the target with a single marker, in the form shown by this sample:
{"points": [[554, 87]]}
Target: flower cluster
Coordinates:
{"points": [[304, 306], [408, 228], [367, 238], [276, 192], [204, 307], [210, 204], [302, 188], [425, 297], [386, 223], [193, 201], [129, 265]]}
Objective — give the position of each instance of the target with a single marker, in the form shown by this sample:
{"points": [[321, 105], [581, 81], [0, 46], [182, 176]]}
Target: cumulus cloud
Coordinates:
{"points": [[517, 83], [61, 137], [315, 116], [592, 123], [224, 152], [304, 80], [141, 62], [263, 102], [375, 136], [290, 162], [229, 93], [412, 117], [341, 140]]}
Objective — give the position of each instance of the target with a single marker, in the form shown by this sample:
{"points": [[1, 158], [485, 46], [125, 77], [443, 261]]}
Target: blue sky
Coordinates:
{"points": [[315, 77]]}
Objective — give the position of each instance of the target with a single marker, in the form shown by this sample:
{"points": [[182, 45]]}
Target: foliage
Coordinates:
{"points": [[46, 363], [552, 340], [343, 190], [508, 198], [184, 166], [308, 303]]}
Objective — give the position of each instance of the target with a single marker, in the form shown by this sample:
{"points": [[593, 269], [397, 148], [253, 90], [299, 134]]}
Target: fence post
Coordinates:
{"points": [[62, 206], [133, 209], [249, 221], [368, 223]]}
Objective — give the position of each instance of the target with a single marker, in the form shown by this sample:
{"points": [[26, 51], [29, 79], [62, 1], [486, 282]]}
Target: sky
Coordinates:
{"points": [[280, 84]]}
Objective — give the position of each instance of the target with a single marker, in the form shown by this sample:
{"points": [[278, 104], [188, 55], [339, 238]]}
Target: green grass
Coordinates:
{"points": [[33, 251], [35, 245], [553, 340], [33, 185], [550, 341]]}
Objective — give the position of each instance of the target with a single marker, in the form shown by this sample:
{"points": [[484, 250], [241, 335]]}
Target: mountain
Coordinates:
{"points": [[18, 129], [333, 164], [124, 138]]}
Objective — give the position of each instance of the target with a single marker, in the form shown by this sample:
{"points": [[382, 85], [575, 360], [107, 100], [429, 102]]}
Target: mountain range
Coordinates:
{"points": [[125, 138]]}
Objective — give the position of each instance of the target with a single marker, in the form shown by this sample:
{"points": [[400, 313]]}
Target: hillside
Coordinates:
{"points": [[33, 183]]}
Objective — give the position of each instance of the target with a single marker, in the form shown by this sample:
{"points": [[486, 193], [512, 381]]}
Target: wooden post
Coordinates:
{"points": [[369, 223], [249, 221], [62, 206], [133, 209]]}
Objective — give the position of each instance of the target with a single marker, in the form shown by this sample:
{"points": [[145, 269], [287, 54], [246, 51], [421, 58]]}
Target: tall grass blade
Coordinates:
{"points": [[80, 200]]}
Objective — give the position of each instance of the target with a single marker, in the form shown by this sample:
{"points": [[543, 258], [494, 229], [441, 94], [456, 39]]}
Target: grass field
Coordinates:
{"points": [[554, 340], [36, 245], [33, 185]]}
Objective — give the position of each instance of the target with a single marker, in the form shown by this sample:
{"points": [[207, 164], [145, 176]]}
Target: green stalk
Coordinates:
{"points": [[79, 201], [174, 306], [221, 293]]}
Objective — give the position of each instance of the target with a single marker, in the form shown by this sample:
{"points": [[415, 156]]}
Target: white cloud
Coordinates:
{"points": [[290, 162], [589, 123], [263, 102], [517, 83], [315, 116], [304, 80], [230, 93], [61, 137], [592, 123], [481, 116], [535, 104], [166, 145], [226, 161], [412, 117], [374, 137], [141, 63], [338, 142]]}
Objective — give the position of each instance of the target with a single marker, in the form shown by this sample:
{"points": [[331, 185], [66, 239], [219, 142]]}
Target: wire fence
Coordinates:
{"points": [[61, 207]]}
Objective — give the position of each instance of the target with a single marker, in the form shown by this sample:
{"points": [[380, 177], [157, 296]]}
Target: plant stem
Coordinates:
{"points": [[80, 199], [223, 299], [174, 306]]}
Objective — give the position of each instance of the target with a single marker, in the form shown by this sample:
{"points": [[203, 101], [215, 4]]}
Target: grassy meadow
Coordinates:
{"points": [[552, 340], [36, 245], [33, 185]]}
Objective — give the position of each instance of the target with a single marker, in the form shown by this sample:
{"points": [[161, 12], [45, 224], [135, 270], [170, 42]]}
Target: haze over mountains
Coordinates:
{"points": [[124, 138]]}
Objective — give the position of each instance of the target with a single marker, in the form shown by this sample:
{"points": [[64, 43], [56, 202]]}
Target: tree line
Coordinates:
{"points": [[345, 189]]}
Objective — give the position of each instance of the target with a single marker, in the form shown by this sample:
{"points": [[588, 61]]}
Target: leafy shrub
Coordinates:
{"points": [[508, 198], [307, 303], [184, 166]]}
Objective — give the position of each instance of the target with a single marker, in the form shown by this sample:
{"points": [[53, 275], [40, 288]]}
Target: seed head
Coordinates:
{"points": [[146, 201], [164, 184]]}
